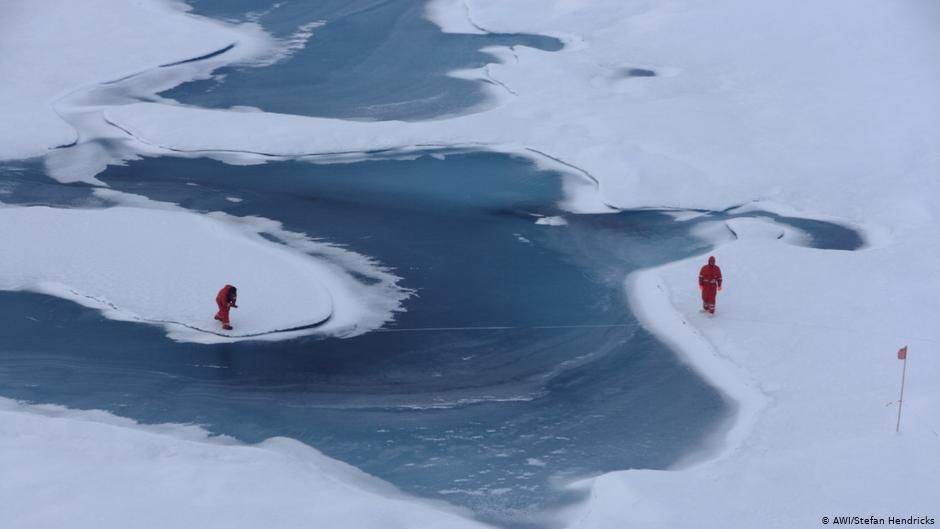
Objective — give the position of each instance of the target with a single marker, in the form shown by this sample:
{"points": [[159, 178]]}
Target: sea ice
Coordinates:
{"points": [[92, 470], [152, 262]]}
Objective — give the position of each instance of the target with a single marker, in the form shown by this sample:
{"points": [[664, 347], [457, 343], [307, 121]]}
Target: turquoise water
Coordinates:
{"points": [[490, 419], [370, 60], [438, 402]]}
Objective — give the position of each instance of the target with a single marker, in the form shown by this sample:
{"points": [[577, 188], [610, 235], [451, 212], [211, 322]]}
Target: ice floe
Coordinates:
{"points": [[804, 346], [92, 470], [62, 46], [156, 263], [827, 108]]}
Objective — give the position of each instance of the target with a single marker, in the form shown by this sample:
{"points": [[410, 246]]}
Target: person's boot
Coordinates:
{"points": [[218, 317], [227, 327]]}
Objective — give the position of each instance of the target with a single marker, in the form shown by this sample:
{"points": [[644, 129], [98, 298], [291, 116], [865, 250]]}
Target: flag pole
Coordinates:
{"points": [[901, 400]]}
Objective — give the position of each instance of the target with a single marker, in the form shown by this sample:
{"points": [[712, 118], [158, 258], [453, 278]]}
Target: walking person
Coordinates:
{"points": [[226, 299], [709, 282]]}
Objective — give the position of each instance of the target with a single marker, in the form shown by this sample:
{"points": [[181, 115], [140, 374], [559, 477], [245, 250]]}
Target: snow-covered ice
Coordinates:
{"points": [[91, 470], [717, 232], [61, 46], [156, 263], [804, 344], [552, 221], [825, 109], [160, 267], [737, 114]]}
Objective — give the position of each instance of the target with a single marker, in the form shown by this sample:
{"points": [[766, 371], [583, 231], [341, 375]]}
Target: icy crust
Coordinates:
{"points": [[124, 262], [152, 262], [203, 131], [716, 232], [92, 470], [706, 110], [828, 108], [804, 346], [91, 42]]}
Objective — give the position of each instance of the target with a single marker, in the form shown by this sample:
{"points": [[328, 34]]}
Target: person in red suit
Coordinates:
{"points": [[709, 282], [226, 299]]}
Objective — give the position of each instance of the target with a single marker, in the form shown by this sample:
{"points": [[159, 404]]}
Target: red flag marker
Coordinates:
{"points": [[902, 355]]}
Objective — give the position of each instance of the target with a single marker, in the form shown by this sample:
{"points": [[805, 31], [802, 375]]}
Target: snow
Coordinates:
{"points": [[162, 267], [123, 39], [717, 232], [284, 135], [156, 263], [804, 343], [735, 113], [92, 470], [552, 221], [820, 109]]}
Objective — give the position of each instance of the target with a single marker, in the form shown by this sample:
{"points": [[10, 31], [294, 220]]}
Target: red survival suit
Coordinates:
{"points": [[226, 299], [709, 281]]}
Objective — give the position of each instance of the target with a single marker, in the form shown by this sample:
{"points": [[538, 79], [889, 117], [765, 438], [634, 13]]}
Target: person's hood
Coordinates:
{"points": [[711, 260]]}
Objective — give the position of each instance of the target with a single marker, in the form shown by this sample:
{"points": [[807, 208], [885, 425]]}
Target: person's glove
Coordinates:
{"points": [[234, 306]]}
